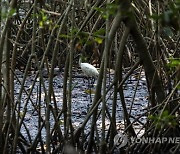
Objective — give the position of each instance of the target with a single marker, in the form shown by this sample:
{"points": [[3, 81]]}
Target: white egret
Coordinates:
{"points": [[90, 71]]}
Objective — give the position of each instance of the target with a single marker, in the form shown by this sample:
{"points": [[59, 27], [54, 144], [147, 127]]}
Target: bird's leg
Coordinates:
{"points": [[89, 89], [88, 83], [92, 81], [85, 79]]}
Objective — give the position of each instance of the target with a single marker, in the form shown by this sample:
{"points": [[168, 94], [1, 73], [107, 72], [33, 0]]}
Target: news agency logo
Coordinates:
{"points": [[121, 140]]}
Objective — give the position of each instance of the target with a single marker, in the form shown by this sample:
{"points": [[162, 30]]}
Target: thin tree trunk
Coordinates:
{"points": [[106, 52]]}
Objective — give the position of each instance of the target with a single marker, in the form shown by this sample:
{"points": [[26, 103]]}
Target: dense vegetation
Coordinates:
{"points": [[121, 35]]}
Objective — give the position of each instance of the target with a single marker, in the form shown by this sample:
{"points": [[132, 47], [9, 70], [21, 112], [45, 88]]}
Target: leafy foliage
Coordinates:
{"points": [[164, 119], [170, 18], [174, 62], [84, 37], [174, 66], [8, 13], [44, 20], [110, 10]]}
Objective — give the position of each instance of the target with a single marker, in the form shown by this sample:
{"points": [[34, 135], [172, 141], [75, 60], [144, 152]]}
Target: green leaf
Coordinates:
{"points": [[98, 40], [41, 25], [110, 9], [12, 12], [101, 10], [61, 122], [100, 32], [174, 62], [89, 91], [21, 114], [164, 119]]}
